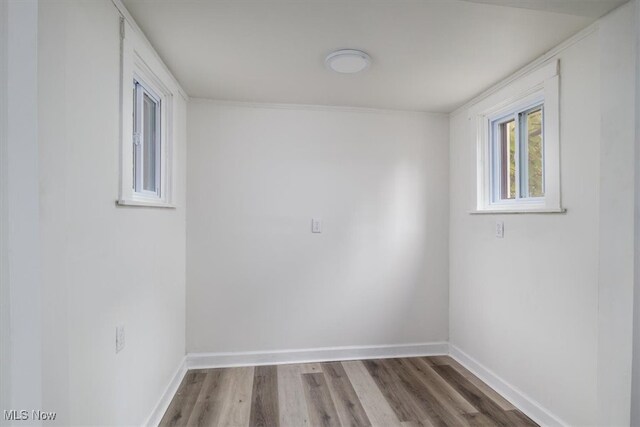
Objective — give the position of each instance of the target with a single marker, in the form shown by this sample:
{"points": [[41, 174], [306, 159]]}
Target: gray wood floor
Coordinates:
{"points": [[408, 392]]}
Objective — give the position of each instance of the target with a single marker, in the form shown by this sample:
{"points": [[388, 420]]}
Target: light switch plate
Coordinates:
{"points": [[316, 225]]}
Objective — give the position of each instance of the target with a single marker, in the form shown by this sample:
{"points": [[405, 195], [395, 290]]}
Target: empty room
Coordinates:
{"points": [[319, 213]]}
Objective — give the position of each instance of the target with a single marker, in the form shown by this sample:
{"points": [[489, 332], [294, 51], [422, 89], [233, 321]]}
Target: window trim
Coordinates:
{"points": [[540, 86], [138, 64]]}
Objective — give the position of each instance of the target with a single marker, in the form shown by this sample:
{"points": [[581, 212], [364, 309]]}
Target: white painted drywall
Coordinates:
{"points": [[21, 284], [635, 391], [259, 280], [102, 265], [616, 215], [5, 291], [530, 306]]}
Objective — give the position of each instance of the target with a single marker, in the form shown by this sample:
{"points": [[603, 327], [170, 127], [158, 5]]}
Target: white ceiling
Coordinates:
{"points": [[591, 8], [428, 55]]}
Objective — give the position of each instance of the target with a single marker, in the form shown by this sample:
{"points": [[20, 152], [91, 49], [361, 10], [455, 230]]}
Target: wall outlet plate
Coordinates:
{"points": [[316, 225], [500, 229]]}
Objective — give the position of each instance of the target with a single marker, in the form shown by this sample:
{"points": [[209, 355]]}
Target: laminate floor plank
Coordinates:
{"points": [[403, 401], [438, 360], [209, 401], [481, 401], [520, 419], [440, 410], [264, 398], [480, 420], [346, 400], [236, 400], [440, 387], [310, 368], [322, 410], [415, 424], [374, 403], [504, 404], [292, 403], [182, 403]]}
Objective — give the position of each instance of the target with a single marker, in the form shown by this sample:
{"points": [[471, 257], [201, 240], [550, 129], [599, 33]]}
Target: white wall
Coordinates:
{"points": [[20, 275], [616, 215], [635, 393], [538, 308], [102, 265], [5, 290], [258, 279]]}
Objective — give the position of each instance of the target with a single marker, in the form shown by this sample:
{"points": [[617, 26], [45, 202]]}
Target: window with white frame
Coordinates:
{"points": [[146, 141], [147, 134], [518, 146]]}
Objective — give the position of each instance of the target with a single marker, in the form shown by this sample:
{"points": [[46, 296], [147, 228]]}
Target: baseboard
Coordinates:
{"points": [[528, 406], [161, 407], [326, 354]]}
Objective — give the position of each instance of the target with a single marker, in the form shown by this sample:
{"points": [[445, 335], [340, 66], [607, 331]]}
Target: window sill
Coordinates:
{"points": [[148, 204], [518, 211]]}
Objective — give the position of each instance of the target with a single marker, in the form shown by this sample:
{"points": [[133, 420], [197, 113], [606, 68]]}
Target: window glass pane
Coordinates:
{"points": [[535, 153], [507, 134], [149, 144]]}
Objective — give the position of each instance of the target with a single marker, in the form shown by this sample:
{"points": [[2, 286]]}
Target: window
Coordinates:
{"points": [[147, 133], [517, 155], [146, 120], [518, 146]]}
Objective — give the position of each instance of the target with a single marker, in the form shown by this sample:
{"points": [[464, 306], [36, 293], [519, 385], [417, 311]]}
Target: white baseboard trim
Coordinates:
{"points": [[528, 406], [161, 407], [326, 354]]}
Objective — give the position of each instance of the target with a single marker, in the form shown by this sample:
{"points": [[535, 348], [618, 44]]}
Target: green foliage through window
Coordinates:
{"points": [[534, 153]]}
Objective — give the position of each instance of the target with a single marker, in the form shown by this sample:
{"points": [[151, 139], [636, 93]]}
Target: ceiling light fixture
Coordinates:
{"points": [[347, 61]]}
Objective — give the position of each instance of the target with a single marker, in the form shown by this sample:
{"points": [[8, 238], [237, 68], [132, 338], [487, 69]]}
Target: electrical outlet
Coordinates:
{"points": [[316, 225], [119, 338], [499, 229]]}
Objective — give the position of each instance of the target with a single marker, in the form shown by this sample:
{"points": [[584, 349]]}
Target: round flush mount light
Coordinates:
{"points": [[347, 61]]}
